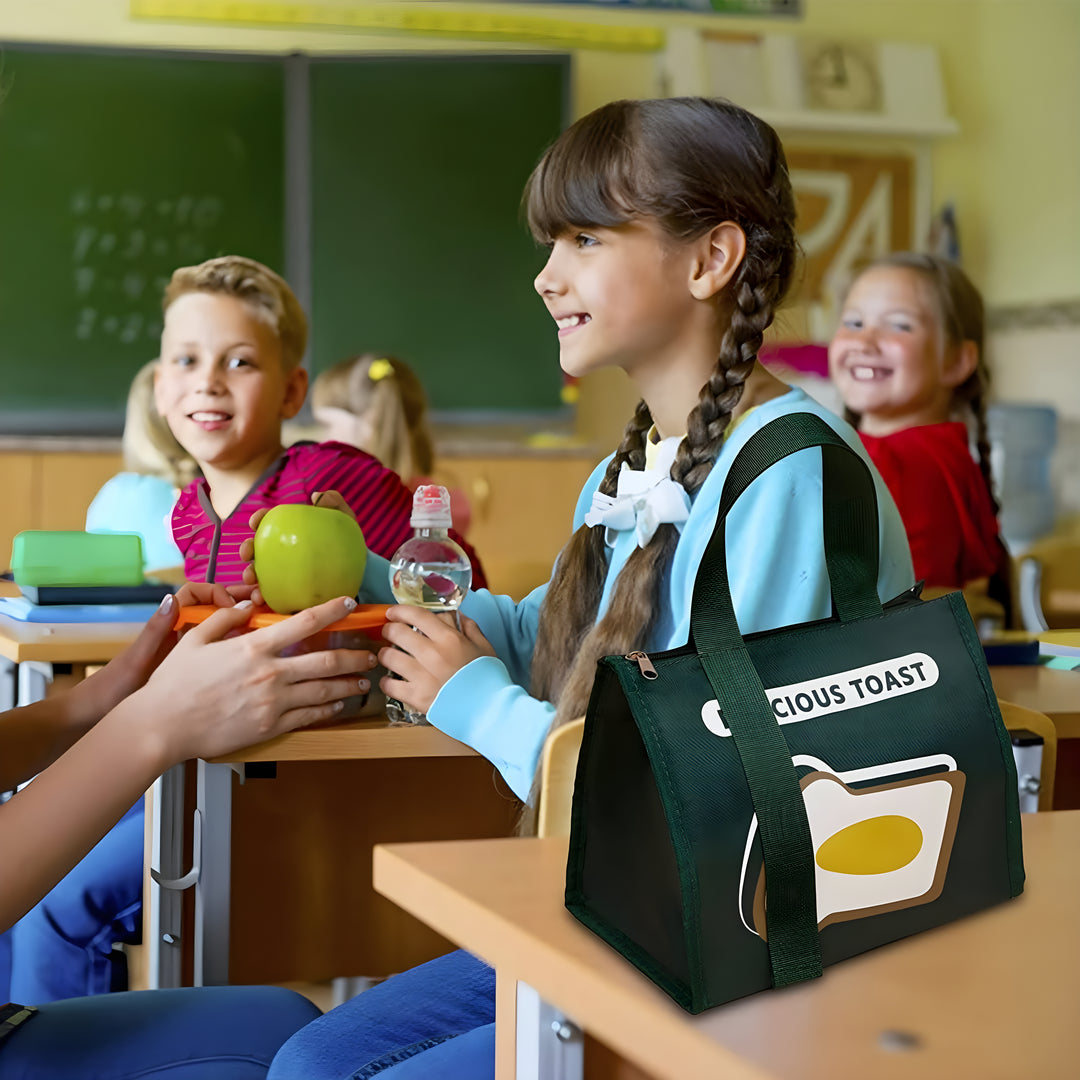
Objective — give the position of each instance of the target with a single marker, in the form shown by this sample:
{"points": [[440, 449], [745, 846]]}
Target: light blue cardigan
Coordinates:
{"points": [[776, 566]]}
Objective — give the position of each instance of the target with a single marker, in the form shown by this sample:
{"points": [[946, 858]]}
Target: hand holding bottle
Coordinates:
{"points": [[425, 651], [430, 571]]}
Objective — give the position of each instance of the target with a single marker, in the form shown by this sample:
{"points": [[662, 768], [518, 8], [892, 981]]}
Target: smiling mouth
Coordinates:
{"points": [[572, 322], [865, 373], [210, 418]]}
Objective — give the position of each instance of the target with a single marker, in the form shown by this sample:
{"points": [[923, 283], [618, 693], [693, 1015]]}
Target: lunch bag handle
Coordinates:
{"points": [[849, 509]]}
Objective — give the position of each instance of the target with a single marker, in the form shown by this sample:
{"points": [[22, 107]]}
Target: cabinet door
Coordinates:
{"points": [[69, 482], [522, 513], [21, 497]]}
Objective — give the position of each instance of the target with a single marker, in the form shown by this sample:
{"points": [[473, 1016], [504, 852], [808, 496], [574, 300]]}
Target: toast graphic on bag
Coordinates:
{"points": [[877, 848]]}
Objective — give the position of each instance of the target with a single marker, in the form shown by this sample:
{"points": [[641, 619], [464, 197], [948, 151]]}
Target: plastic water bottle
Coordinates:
{"points": [[429, 571]]}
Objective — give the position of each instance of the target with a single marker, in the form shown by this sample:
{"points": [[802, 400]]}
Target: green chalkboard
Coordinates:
{"points": [[118, 166], [114, 169], [418, 165]]}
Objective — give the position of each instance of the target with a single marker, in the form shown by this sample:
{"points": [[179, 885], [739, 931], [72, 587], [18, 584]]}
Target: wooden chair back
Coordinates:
{"points": [[1048, 584], [558, 766]]}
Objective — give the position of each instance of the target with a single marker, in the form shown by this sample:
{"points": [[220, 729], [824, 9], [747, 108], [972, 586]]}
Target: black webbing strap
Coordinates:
{"points": [[849, 512], [849, 507]]}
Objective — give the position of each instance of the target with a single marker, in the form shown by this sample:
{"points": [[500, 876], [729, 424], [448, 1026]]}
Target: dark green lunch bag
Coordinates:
{"points": [[725, 837]]}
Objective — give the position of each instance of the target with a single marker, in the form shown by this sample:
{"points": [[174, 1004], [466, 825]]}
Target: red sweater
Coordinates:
{"points": [[943, 501], [381, 502]]}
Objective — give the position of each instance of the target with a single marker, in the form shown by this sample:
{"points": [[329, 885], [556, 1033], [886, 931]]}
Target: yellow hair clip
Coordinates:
{"points": [[380, 369]]}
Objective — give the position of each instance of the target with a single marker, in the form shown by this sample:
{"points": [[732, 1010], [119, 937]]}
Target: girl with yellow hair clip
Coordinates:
{"points": [[378, 403]]}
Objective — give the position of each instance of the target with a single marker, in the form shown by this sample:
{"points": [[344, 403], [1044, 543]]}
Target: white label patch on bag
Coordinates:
{"points": [[840, 692]]}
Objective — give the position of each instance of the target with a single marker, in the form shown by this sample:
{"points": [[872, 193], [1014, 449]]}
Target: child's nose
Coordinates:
{"points": [[866, 337], [210, 380], [547, 282]]}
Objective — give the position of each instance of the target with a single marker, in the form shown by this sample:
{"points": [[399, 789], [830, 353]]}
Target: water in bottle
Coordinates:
{"points": [[429, 571]]}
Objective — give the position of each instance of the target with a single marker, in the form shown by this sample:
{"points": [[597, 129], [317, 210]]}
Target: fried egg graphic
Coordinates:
{"points": [[876, 848]]}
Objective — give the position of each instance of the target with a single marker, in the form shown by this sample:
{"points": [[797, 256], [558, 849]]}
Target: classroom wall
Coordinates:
{"points": [[1010, 71], [1013, 170]]}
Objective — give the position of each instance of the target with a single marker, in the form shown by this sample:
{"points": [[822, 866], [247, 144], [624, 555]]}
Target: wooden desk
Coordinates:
{"points": [[64, 643], [1046, 690], [34, 647], [350, 787], [284, 886], [360, 739], [284, 892], [991, 996]]}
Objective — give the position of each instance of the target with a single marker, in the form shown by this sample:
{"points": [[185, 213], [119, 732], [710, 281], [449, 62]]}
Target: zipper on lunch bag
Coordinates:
{"points": [[644, 664]]}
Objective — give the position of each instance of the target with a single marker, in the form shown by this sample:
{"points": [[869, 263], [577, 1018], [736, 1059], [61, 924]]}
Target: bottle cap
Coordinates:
{"points": [[431, 508]]}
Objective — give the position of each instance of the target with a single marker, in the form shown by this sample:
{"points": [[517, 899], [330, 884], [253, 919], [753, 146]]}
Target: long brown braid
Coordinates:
{"points": [[691, 164]]}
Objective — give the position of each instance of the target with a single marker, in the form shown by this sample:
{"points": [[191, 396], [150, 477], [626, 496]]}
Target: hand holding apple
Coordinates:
{"points": [[305, 555]]}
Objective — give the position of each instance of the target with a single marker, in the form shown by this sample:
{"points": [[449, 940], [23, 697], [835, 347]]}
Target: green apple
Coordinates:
{"points": [[305, 555]]}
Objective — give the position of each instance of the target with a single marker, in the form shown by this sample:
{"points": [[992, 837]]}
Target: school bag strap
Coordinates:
{"points": [[849, 509]]}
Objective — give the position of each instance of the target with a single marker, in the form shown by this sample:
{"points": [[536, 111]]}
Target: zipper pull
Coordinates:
{"points": [[644, 664]]}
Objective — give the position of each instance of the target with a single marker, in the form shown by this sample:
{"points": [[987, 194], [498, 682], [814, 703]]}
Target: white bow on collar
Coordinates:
{"points": [[644, 501]]}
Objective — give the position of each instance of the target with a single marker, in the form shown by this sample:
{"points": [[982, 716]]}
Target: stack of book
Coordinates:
{"points": [[80, 577]]}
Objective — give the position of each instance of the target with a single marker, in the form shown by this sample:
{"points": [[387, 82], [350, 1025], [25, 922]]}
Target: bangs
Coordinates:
{"points": [[587, 177]]}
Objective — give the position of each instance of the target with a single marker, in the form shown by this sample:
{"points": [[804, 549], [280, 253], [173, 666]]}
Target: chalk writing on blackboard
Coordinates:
{"points": [[124, 247]]}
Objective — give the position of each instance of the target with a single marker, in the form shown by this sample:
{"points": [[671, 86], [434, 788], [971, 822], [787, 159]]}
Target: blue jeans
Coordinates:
{"points": [[434, 1022], [5, 965], [62, 947], [205, 1033]]}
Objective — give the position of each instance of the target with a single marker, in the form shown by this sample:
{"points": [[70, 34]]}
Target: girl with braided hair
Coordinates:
{"points": [[670, 226], [907, 362]]}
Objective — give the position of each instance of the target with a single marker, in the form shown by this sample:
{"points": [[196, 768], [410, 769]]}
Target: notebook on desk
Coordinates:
{"points": [[149, 592], [1060, 643], [19, 607]]}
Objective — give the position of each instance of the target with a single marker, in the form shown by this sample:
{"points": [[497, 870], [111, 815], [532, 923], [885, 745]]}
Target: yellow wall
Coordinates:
{"points": [[1028, 184], [1011, 71]]}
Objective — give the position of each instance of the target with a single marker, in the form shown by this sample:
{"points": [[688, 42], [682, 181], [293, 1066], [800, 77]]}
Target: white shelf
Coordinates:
{"points": [[900, 93], [855, 123]]}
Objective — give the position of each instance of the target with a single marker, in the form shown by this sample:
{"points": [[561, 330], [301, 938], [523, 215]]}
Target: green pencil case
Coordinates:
{"points": [[46, 557]]}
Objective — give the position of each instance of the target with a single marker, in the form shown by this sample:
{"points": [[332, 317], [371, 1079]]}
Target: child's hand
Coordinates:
{"points": [[332, 500], [426, 660], [199, 592], [91, 699], [217, 693]]}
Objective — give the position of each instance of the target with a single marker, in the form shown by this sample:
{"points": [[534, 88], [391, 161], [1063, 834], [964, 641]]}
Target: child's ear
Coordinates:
{"points": [[295, 392], [717, 256], [960, 363]]}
